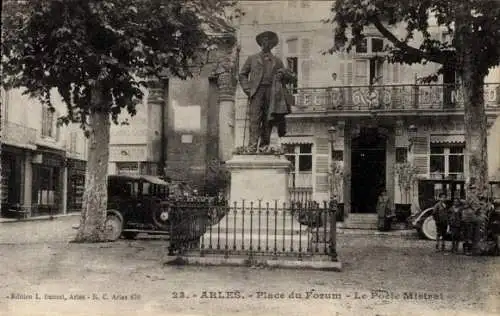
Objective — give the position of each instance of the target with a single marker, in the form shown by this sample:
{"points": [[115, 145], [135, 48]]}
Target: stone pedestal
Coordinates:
{"points": [[259, 177]]}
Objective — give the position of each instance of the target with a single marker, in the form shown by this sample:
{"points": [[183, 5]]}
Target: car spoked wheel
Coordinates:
{"points": [[113, 227], [161, 216], [429, 228]]}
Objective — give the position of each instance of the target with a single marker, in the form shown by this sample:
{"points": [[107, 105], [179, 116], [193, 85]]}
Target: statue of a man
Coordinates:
{"points": [[263, 78]]}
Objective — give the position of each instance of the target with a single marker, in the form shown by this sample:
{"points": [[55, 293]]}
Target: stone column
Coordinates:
{"points": [[347, 169], [226, 75], [28, 181], [64, 200], [390, 162]]}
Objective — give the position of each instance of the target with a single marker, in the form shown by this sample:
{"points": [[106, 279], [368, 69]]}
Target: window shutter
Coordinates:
{"points": [[306, 73], [322, 160], [341, 74], [306, 47], [421, 154], [291, 47], [387, 72], [44, 121], [395, 73], [346, 72], [361, 74]]}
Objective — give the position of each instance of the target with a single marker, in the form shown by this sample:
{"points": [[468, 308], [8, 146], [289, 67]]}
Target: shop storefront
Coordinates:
{"points": [[76, 184], [48, 177], [12, 180]]}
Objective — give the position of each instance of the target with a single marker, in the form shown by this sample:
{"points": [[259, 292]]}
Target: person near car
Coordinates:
{"points": [[455, 221], [440, 215], [385, 212]]}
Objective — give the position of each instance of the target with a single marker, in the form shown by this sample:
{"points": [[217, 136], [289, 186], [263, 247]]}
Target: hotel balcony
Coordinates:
{"points": [[406, 99], [18, 135]]}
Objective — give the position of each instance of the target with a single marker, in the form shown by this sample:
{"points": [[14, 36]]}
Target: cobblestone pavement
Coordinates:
{"points": [[382, 276]]}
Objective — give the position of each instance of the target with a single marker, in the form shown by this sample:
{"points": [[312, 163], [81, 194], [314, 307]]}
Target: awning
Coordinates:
{"points": [[448, 138], [297, 140], [153, 179]]}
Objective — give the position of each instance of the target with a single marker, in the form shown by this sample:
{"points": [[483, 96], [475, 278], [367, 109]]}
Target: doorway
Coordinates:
{"points": [[368, 168]]}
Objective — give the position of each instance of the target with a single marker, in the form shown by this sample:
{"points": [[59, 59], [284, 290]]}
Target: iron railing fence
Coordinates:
{"points": [[299, 229], [395, 97]]}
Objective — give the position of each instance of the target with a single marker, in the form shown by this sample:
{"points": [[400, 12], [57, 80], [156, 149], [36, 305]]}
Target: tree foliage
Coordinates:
{"points": [[73, 46], [481, 25]]}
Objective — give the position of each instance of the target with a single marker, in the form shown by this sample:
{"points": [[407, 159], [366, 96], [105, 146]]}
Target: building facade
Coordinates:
{"points": [[382, 114], [43, 165], [175, 132]]}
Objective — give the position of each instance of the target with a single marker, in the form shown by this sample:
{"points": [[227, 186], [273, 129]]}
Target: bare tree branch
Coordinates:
{"points": [[442, 58]]}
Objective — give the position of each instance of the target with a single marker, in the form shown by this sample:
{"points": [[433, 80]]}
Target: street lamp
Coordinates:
{"points": [[412, 134], [332, 131]]}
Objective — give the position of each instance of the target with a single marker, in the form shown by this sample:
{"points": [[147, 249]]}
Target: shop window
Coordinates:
{"points": [[127, 168], [300, 156], [47, 192], [401, 154], [146, 189], [447, 161]]}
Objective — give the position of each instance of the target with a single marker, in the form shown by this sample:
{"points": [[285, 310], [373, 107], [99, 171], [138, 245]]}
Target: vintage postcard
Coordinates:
{"points": [[272, 157]]}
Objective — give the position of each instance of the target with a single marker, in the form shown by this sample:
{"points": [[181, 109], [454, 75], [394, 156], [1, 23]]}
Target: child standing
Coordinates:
{"points": [[440, 214], [455, 220], [468, 227]]}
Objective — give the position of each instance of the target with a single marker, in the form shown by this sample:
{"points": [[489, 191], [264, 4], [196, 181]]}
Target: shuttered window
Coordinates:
{"points": [[346, 72], [361, 74], [47, 122], [421, 154], [322, 161], [395, 73], [306, 63]]}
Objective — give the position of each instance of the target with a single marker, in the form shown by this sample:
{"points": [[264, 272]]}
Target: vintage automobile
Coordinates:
{"points": [[145, 204], [428, 191], [135, 206]]}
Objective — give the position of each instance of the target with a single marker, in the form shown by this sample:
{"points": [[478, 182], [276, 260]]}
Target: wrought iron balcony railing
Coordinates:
{"points": [[18, 134], [409, 97]]}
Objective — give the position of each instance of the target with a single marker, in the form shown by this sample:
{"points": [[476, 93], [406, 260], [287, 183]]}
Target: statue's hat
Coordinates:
{"points": [[273, 38]]}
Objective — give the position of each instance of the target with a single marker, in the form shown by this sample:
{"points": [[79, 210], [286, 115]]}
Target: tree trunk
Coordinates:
{"points": [[475, 131], [95, 197], [472, 86]]}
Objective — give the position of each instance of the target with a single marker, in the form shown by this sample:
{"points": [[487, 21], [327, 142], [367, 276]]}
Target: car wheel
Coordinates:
{"points": [[129, 235], [160, 218], [428, 228], [114, 227]]}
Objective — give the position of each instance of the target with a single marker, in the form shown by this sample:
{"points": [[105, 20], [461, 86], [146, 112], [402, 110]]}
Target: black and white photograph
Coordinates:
{"points": [[250, 157]]}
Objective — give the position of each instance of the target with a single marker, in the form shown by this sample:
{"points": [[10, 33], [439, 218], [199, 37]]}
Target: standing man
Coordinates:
{"points": [[440, 214], [263, 78]]}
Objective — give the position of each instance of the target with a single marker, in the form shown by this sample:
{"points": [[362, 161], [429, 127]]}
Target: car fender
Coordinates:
{"points": [[417, 221], [115, 212]]}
